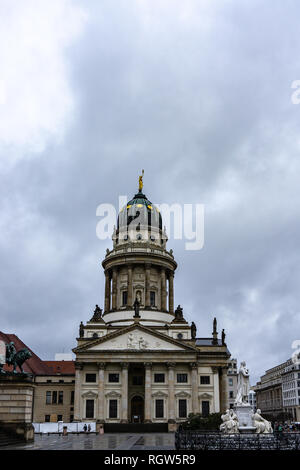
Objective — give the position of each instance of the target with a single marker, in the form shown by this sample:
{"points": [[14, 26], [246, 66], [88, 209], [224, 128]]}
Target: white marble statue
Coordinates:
{"points": [[262, 425], [243, 386], [230, 423]]}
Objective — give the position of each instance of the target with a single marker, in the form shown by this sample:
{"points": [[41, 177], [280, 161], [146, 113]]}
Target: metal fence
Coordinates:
{"points": [[197, 440]]}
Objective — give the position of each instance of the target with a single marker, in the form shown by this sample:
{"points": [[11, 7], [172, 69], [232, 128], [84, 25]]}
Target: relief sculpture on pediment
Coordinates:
{"points": [[135, 342]]}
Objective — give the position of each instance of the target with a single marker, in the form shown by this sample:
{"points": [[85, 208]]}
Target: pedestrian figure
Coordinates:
{"points": [[85, 428], [89, 428]]}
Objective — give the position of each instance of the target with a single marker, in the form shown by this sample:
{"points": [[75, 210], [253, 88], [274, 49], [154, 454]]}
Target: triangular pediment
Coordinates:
{"points": [[134, 338]]}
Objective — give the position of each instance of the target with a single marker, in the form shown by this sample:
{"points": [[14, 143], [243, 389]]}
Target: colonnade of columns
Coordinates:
{"points": [[148, 412], [110, 301]]}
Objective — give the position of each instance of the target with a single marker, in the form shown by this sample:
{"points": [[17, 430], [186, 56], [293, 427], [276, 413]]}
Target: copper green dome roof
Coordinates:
{"points": [[140, 208]]}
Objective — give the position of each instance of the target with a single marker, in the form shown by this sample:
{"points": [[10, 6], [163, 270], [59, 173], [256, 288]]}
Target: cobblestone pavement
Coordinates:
{"points": [[161, 441]]}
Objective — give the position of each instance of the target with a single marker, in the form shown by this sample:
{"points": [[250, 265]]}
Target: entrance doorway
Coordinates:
{"points": [[137, 409]]}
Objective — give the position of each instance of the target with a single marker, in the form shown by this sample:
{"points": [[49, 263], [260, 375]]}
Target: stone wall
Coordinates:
{"points": [[16, 401]]}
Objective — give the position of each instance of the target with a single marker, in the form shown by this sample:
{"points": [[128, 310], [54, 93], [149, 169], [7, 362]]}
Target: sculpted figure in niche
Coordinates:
{"points": [[136, 307]]}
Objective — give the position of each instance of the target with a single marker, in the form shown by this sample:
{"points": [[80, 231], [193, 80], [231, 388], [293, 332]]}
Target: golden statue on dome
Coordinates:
{"points": [[141, 181]]}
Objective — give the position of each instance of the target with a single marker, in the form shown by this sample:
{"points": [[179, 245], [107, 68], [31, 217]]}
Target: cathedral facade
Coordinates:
{"points": [[140, 360]]}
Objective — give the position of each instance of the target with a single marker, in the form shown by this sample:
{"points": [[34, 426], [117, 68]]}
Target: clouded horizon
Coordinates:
{"points": [[197, 93]]}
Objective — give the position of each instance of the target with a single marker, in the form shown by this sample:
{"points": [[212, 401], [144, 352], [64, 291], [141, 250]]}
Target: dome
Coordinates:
{"points": [[139, 212]]}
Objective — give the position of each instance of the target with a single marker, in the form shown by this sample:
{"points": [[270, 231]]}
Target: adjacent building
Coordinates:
{"points": [[53, 385], [54, 393], [232, 381], [269, 392], [252, 399], [291, 390], [278, 391]]}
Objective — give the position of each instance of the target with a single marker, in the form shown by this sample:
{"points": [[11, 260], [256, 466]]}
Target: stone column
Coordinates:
{"points": [[129, 286], [77, 397], [195, 398], [223, 382], [171, 292], [101, 413], [124, 407], [163, 289], [147, 303], [171, 391], [107, 291], [216, 390], [148, 392], [114, 289]]}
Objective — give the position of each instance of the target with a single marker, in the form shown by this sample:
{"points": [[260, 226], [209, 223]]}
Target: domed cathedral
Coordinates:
{"points": [[139, 268], [139, 363]]}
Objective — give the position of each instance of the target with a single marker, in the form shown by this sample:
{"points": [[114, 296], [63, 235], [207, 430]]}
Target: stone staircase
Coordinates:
{"points": [[8, 439]]}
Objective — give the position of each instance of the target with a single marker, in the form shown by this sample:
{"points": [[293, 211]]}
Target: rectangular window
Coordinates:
{"points": [[91, 378], [159, 378], [54, 398], [47, 418], [137, 380], [152, 299], [113, 378], [182, 404], [182, 378], [230, 394], [124, 298], [48, 398], [230, 382], [113, 408], [59, 418], [61, 381], [159, 408], [89, 409], [205, 408], [71, 418], [49, 381], [60, 397], [204, 380], [72, 397]]}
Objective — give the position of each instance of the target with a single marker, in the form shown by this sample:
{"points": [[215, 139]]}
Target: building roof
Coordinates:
{"points": [[61, 367], [140, 206], [34, 365], [207, 342]]}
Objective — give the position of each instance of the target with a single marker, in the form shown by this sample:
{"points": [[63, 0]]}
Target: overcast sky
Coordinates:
{"points": [[198, 93]]}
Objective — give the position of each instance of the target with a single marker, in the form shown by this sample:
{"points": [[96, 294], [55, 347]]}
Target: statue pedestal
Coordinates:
{"points": [[16, 395], [244, 414]]}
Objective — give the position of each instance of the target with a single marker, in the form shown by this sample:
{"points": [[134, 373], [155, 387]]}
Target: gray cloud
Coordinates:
{"points": [[198, 95]]}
